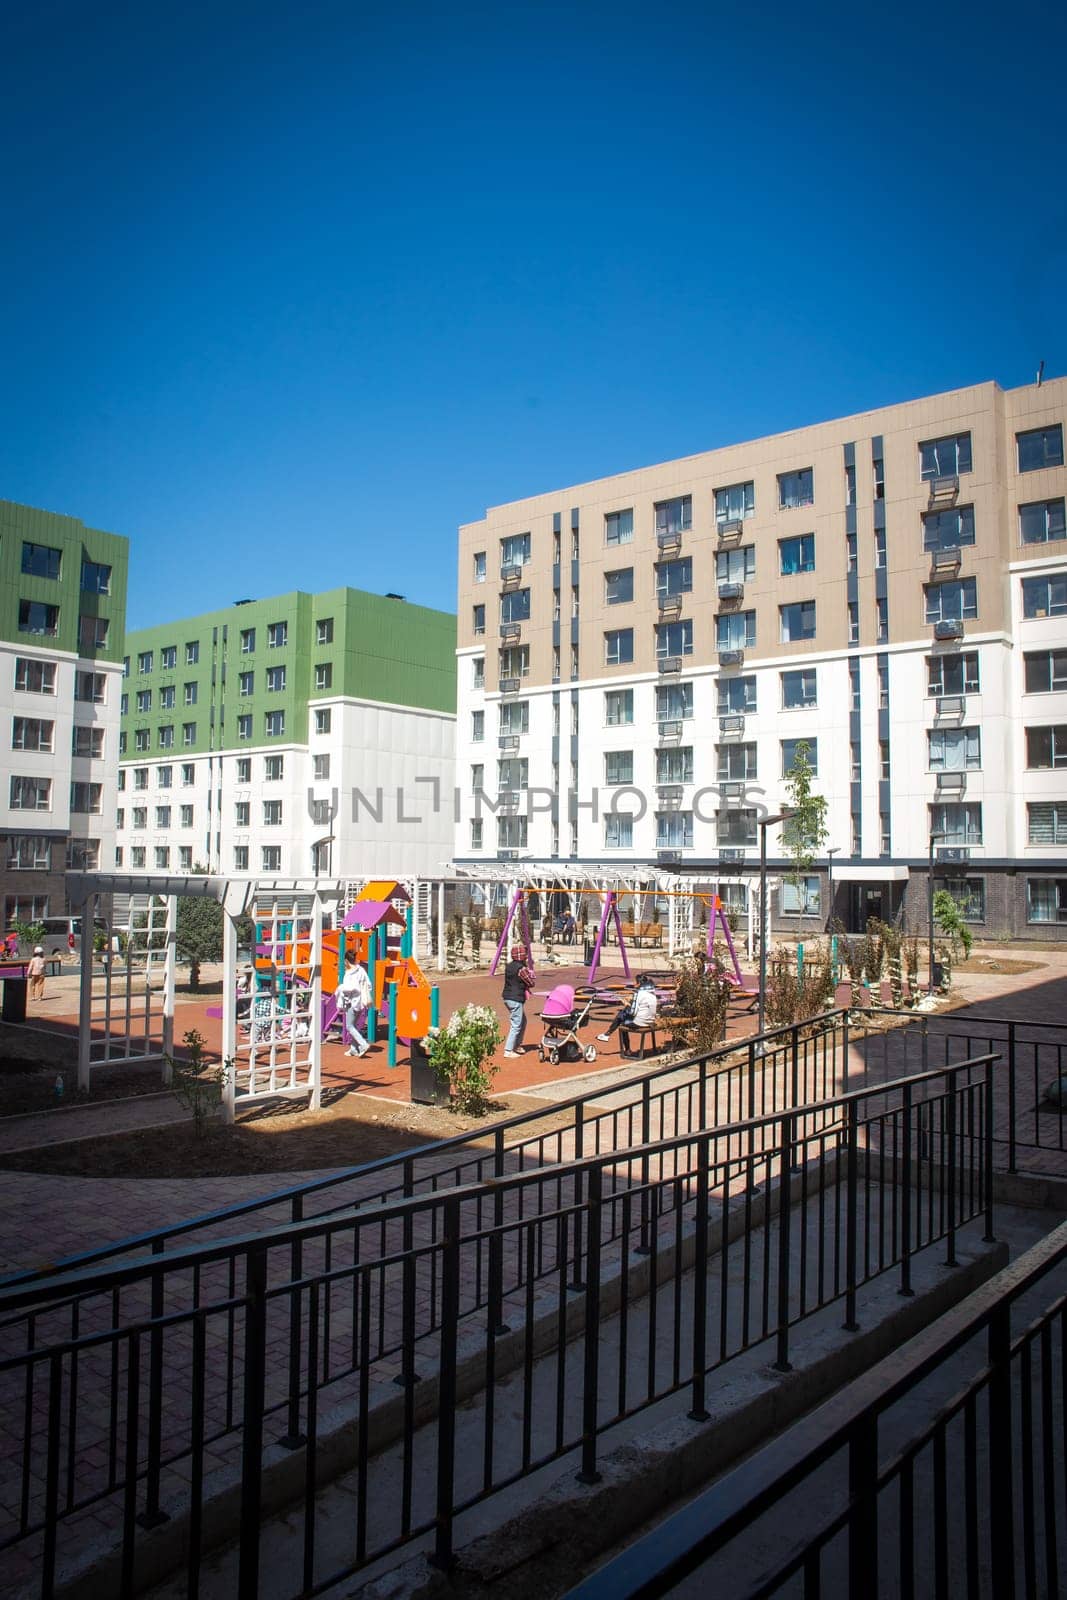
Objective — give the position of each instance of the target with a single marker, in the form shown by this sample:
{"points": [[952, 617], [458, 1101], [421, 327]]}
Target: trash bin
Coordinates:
{"points": [[13, 1006], [587, 952], [427, 1089]]}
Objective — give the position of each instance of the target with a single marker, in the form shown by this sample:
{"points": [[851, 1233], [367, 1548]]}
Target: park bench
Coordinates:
{"points": [[643, 933]]}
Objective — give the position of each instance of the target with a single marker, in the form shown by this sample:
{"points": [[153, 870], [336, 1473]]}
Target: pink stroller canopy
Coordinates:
{"points": [[559, 1002]]}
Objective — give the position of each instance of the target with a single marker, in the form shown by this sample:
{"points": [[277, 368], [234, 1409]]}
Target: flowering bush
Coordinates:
{"points": [[460, 1053]]}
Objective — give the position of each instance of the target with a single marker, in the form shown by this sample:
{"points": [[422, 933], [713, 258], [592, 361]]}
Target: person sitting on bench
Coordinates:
{"points": [[638, 1012]]}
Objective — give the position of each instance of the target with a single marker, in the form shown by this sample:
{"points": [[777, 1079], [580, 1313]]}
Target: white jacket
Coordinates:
{"points": [[354, 993], [644, 1006]]}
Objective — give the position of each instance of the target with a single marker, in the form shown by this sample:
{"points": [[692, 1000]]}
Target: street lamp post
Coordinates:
{"points": [[934, 837], [764, 824], [830, 854]]}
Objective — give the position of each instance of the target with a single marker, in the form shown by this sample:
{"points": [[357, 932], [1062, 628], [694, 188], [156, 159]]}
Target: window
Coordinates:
{"points": [[30, 733], [736, 762], [674, 830], [735, 566], [274, 724], [189, 694], [885, 835], [324, 675], [248, 641], [477, 726], [857, 834], [142, 738], [185, 816], [120, 818], [618, 831], [515, 661], [956, 674], [619, 586], [515, 550], [188, 734], [1039, 447], [140, 817], [34, 677], [850, 485], [945, 458], [164, 777], [323, 721], [140, 777], [797, 621], [476, 833], [478, 672], [88, 742], [515, 606], [674, 577], [958, 822], [954, 749], [511, 833], [166, 698], [796, 554], [324, 630], [855, 761], [1046, 671], [618, 766], [90, 687], [799, 689], [244, 727], [137, 856], [674, 639], [478, 623], [515, 718], [1046, 822], [92, 634], [789, 755], [968, 894], [851, 552], [879, 548], [85, 798], [246, 683], [143, 699], [242, 813], [275, 680], [188, 774], [619, 527], [168, 658], [951, 601], [735, 502], [674, 516], [165, 737], [477, 777], [878, 469], [883, 684], [734, 828], [801, 899], [273, 768], [853, 622], [277, 635], [272, 813], [674, 702], [192, 652], [1046, 747], [736, 631], [122, 741], [271, 857], [881, 613], [1045, 597], [29, 852], [1042, 521], [144, 661], [944, 530], [163, 816], [884, 764], [36, 617], [574, 660], [618, 708], [185, 857], [320, 767], [796, 489], [1046, 899], [736, 696], [675, 766], [83, 855], [479, 566], [96, 579], [618, 647], [41, 560]]}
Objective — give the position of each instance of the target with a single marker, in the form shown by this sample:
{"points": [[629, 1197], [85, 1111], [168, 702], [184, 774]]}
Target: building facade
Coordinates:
{"points": [[62, 627], [640, 656], [305, 733]]}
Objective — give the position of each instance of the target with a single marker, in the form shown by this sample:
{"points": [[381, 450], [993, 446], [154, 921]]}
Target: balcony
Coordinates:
{"points": [[731, 856], [510, 576], [949, 708], [669, 604], [510, 685], [950, 782], [670, 732], [511, 630], [730, 532], [732, 724], [944, 491], [947, 559], [508, 741], [952, 629], [731, 658], [668, 538], [731, 592], [667, 665]]}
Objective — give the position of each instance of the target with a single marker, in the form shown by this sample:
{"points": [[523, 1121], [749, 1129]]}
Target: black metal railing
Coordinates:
{"points": [[969, 1500], [148, 1390]]}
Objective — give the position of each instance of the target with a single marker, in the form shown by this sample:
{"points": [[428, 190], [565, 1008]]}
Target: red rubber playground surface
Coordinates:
{"points": [[372, 1074]]}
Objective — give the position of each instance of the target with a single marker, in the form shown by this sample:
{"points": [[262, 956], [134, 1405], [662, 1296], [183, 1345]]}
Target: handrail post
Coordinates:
{"points": [[591, 1375], [698, 1411], [863, 1503], [1001, 1453], [987, 1154], [643, 1247], [949, 1178], [152, 1516], [850, 1324], [293, 1438], [496, 1322], [785, 1183], [255, 1379], [577, 1282], [407, 1374], [905, 1197], [1012, 1165], [446, 1408]]}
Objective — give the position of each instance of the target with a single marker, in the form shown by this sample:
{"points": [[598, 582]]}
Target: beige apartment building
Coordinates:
{"points": [[639, 657]]}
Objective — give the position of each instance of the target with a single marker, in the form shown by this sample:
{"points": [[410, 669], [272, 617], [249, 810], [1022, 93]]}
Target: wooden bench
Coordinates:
{"points": [[647, 933], [643, 1029]]}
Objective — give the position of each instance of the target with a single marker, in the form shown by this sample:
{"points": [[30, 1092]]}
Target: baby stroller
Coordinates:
{"points": [[560, 1021]]}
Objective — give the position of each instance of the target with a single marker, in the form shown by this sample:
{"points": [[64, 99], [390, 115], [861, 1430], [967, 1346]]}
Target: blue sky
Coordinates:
{"points": [[288, 292]]}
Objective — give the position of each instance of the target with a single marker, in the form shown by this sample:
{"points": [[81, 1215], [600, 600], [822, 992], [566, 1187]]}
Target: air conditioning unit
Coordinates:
{"points": [[508, 798], [510, 630], [670, 730], [510, 576], [666, 539], [731, 856], [731, 529], [947, 559], [944, 489], [953, 853], [507, 855], [669, 603], [508, 741], [731, 658], [950, 705], [669, 792], [732, 724], [951, 781], [731, 591], [510, 685], [669, 664], [668, 858], [949, 630], [732, 789]]}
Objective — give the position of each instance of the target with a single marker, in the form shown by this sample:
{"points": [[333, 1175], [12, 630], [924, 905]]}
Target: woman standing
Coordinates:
{"points": [[518, 981]]}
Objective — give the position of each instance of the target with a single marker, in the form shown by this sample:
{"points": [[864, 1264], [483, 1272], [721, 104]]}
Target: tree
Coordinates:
{"points": [[198, 934], [805, 832]]}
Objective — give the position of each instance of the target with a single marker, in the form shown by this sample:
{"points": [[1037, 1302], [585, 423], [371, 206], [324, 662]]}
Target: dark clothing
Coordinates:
{"points": [[514, 988]]}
